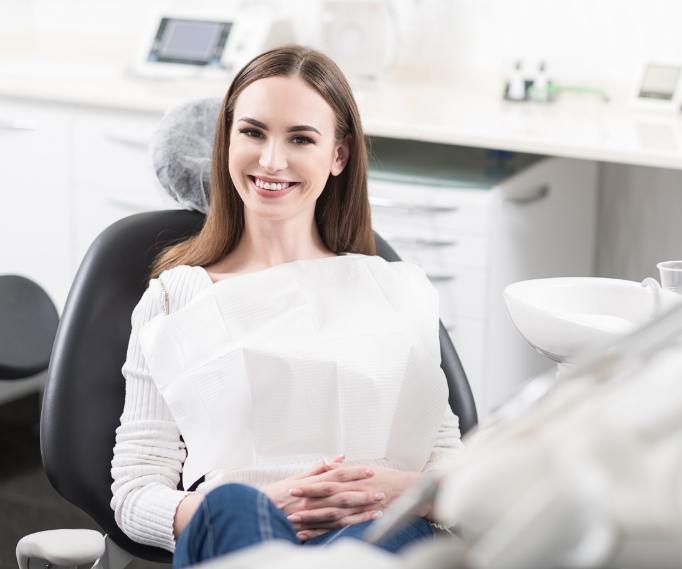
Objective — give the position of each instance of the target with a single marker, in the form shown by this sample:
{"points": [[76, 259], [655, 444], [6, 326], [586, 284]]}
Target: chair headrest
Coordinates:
{"points": [[181, 152]]}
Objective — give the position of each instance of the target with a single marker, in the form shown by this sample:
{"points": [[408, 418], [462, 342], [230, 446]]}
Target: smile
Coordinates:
{"points": [[271, 185]]}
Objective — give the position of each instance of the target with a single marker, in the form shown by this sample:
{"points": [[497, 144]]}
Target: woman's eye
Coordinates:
{"points": [[251, 132], [301, 140]]}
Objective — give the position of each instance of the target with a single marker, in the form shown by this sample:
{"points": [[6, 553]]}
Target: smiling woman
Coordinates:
{"points": [[289, 117], [275, 341], [271, 159]]}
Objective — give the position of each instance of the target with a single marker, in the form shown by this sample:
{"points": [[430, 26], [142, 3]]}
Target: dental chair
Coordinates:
{"points": [[28, 324], [84, 396], [85, 392]]}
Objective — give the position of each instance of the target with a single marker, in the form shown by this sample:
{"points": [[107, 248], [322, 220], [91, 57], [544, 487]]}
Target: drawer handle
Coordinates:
{"points": [[440, 277], [531, 196], [18, 124], [131, 203], [126, 140], [393, 204], [428, 242]]}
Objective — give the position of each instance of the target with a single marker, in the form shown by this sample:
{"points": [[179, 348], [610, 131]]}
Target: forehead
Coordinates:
{"points": [[284, 101]]}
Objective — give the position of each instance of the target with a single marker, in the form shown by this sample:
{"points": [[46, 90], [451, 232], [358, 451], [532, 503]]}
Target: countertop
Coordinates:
{"points": [[576, 126]]}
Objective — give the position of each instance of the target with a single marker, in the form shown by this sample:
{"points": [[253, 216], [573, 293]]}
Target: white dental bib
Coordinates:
{"points": [[309, 359]]}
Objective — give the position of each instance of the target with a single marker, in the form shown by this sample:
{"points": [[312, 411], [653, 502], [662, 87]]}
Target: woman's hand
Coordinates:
{"points": [[185, 510], [347, 499], [317, 519]]}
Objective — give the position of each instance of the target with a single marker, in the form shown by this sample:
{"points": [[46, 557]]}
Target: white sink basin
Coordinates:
{"points": [[562, 317]]}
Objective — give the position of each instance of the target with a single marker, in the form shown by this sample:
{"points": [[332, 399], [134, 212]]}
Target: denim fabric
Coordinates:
{"points": [[235, 516]]}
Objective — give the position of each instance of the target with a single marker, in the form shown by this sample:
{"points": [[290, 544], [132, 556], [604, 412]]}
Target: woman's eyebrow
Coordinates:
{"points": [[296, 128], [303, 127]]}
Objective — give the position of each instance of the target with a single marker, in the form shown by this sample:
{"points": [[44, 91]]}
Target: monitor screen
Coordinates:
{"points": [[192, 42]]}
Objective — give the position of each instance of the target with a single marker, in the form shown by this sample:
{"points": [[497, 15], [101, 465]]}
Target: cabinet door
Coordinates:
{"points": [[35, 221]]}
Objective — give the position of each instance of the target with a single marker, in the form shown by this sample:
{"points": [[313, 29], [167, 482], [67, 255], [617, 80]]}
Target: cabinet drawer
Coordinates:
{"points": [[426, 249], [443, 211], [111, 152], [461, 293]]}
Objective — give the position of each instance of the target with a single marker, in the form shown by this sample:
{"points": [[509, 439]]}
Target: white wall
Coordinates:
{"points": [[599, 41]]}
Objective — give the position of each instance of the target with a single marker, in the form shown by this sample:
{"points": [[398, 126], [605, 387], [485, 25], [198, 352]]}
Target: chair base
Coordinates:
{"points": [[70, 548]]}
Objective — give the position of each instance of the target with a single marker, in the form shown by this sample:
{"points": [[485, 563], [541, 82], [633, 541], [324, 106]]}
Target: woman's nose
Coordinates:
{"points": [[273, 157]]}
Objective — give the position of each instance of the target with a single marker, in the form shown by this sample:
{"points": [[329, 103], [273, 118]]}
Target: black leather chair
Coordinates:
{"points": [[28, 323], [85, 393]]}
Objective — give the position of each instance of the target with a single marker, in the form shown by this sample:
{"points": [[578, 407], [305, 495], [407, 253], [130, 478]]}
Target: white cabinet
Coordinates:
{"points": [[112, 173], [36, 220], [67, 173], [479, 225]]}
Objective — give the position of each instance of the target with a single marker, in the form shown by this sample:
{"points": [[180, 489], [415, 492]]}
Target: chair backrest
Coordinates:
{"points": [[85, 391], [28, 322]]}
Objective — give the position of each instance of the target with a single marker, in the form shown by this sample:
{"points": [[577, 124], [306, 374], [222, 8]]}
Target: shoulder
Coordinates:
{"points": [[404, 271], [403, 282], [171, 290], [406, 286]]}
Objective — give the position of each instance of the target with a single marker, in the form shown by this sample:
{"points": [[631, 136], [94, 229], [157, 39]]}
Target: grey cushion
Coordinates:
{"points": [[181, 152]]}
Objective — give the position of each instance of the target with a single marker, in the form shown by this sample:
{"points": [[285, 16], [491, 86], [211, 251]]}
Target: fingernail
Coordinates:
{"points": [[339, 457], [296, 492], [377, 515], [301, 535], [379, 496], [369, 472], [294, 518]]}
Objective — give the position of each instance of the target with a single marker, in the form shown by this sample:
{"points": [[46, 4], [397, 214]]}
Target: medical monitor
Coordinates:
{"points": [[189, 42]]}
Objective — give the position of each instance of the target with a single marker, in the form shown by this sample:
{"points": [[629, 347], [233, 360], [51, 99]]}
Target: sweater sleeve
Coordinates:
{"points": [[448, 443], [148, 454]]}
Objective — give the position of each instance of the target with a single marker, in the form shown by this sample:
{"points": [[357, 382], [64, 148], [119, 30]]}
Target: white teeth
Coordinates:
{"points": [[272, 186]]}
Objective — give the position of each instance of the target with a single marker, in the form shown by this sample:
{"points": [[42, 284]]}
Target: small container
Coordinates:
{"points": [[671, 275], [540, 89]]}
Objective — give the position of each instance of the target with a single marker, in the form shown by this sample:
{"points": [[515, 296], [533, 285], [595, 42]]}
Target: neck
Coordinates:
{"points": [[266, 243]]}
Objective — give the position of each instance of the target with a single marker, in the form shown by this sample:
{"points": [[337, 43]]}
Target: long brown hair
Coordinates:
{"points": [[342, 211]]}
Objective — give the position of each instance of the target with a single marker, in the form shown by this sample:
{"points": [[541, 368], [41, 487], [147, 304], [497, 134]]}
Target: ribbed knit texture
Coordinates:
{"points": [[149, 454]]}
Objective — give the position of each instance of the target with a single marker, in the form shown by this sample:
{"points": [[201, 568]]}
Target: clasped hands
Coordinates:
{"points": [[333, 495]]}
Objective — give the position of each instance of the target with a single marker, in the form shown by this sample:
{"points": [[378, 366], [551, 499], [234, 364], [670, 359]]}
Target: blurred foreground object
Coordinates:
{"points": [[578, 472]]}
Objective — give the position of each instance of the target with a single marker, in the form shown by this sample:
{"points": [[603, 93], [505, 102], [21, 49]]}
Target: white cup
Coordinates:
{"points": [[671, 275]]}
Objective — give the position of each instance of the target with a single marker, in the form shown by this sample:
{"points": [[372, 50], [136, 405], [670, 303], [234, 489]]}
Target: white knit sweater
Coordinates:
{"points": [[149, 454]]}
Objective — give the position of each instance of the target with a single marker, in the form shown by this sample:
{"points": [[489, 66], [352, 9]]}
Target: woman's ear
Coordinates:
{"points": [[341, 155]]}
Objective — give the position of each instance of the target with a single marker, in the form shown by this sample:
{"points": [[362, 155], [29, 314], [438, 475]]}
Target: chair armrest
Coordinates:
{"points": [[61, 547]]}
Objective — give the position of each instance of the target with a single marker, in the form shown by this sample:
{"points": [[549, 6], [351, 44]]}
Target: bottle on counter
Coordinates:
{"points": [[540, 89], [516, 86]]}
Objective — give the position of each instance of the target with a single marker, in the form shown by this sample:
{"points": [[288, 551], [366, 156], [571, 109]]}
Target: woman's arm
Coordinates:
{"points": [[447, 444], [148, 454]]}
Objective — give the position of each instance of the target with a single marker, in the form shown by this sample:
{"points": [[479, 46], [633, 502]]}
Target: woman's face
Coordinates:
{"points": [[283, 148]]}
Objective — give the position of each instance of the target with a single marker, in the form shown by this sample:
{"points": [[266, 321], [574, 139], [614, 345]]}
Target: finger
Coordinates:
{"points": [[321, 517], [321, 467], [310, 534], [319, 490], [317, 469], [346, 474], [331, 482], [354, 517], [346, 499], [365, 516]]}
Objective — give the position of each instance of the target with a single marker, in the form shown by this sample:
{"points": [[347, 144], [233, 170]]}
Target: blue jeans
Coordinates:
{"points": [[235, 516]]}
